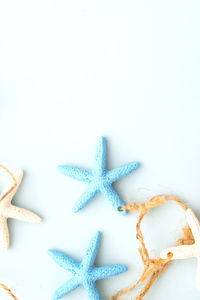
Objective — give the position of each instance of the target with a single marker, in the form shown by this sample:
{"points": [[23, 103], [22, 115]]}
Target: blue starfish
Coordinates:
{"points": [[84, 273], [100, 179]]}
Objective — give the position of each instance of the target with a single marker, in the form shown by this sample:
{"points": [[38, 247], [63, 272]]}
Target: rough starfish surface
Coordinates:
{"points": [[99, 179], [8, 210], [85, 273]]}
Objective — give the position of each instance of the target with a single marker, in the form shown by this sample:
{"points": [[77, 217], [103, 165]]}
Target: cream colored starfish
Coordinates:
{"points": [[7, 210], [188, 251]]}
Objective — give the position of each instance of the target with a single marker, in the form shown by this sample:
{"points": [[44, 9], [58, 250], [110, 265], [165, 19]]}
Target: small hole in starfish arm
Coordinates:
{"points": [[169, 255], [120, 208]]}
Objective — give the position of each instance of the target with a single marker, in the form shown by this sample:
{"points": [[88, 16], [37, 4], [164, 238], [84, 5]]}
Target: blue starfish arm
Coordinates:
{"points": [[91, 252], [92, 291], [76, 173], [64, 261], [66, 288], [121, 171], [113, 198], [100, 157], [107, 271], [88, 194]]}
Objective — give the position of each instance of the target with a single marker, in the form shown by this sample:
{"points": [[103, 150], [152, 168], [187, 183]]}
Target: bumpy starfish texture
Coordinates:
{"points": [[85, 273], [7, 210], [188, 251], [99, 179]]}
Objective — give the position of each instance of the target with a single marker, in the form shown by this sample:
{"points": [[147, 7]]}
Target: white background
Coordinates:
{"points": [[71, 71]]}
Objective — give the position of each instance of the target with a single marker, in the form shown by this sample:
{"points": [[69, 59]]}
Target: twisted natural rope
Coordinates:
{"points": [[2, 286], [152, 267], [8, 291]]}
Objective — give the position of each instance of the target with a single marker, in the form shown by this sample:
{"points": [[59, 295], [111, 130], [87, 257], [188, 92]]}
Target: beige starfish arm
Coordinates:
{"points": [[194, 225], [18, 176], [22, 214], [4, 233], [198, 274], [181, 252]]}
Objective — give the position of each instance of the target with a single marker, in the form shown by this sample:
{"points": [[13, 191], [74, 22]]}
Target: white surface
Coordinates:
{"points": [[71, 71]]}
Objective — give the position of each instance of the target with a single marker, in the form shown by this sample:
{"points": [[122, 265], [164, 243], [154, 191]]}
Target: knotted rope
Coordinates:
{"points": [[152, 268]]}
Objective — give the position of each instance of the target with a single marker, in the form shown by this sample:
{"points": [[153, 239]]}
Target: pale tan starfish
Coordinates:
{"points": [[7, 210], [188, 251]]}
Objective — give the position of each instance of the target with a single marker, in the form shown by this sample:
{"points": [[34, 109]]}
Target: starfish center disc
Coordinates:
{"points": [[100, 181], [82, 275]]}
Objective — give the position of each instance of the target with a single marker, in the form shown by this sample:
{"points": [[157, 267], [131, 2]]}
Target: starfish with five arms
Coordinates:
{"points": [[188, 251], [84, 273], [100, 179], [7, 210]]}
